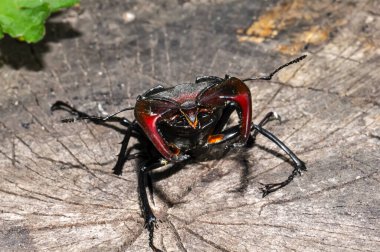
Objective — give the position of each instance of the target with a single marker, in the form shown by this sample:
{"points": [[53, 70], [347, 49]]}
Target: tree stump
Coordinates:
{"points": [[57, 189]]}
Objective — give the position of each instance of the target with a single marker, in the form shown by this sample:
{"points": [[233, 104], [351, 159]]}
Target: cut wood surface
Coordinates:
{"points": [[57, 189]]}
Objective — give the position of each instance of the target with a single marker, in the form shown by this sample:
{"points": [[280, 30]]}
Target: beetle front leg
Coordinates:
{"points": [[298, 164], [267, 118], [123, 153], [224, 118], [143, 182]]}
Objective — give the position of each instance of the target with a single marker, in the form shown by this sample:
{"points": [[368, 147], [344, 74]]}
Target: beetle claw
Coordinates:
{"points": [[276, 116], [302, 167], [269, 188], [151, 224]]}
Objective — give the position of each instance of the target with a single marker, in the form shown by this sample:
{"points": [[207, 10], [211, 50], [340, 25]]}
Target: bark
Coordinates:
{"points": [[57, 190]]}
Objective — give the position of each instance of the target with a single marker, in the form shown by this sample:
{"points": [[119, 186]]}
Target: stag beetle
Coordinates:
{"points": [[181, 122]]}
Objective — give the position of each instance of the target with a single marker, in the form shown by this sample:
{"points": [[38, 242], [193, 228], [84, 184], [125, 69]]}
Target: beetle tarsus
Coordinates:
{"points": [[299, 165], [269, 188], [151, 244], [150, 225]]}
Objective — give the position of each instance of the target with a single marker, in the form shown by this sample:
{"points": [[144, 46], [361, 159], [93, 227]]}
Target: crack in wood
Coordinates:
{"points": [[179, 243], [201, 238]]}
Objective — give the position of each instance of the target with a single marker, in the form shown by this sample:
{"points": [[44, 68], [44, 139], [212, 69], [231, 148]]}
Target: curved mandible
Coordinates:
{"points": [[148, 112], [232, 90]]}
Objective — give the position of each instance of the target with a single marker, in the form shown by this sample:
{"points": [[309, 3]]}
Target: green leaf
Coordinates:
{"points": [[58, 5], [25, 19]]}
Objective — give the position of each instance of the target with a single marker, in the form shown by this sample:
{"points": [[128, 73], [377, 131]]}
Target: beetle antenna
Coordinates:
{"points": [[83, 116], [112, 115], [269, 77]]}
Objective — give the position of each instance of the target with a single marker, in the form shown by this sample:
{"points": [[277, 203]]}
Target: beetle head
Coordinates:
{"points": [[187, 115]]}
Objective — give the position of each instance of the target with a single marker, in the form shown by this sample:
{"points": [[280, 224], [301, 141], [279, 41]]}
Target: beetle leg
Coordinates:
{"points": [[123, 153], [224, 118], [298, 164], [150, 187], [132, 130], [143, 182], [268, 117]]}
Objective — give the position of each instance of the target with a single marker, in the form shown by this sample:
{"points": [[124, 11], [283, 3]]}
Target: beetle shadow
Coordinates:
{"points": [[241, 157], [17, 54], [163, 174]]}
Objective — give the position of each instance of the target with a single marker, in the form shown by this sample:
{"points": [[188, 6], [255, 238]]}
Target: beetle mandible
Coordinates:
{"points": [[181, 122]]}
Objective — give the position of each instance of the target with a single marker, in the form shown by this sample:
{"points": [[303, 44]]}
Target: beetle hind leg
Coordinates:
{"points": [[299, 165]]}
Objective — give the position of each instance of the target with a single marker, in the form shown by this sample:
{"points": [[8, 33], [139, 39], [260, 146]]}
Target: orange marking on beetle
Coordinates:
{"points": [[212, 139], [192, 124], [174, 149], [191, 117]]}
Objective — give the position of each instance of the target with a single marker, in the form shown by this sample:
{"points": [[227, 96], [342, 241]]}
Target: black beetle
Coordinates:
{"points": [[182, 122]]}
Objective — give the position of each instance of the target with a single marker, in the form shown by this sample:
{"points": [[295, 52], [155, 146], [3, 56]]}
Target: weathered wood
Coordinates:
{"points": [[57, 190]]}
